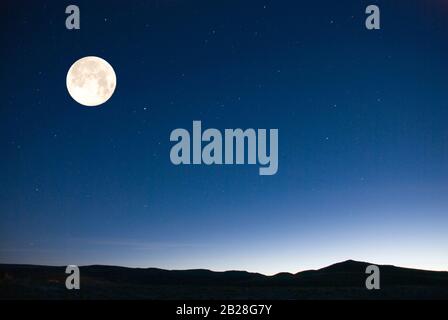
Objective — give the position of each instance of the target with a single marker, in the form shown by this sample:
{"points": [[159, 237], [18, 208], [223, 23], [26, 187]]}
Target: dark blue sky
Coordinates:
{"points": [[362, 118]]}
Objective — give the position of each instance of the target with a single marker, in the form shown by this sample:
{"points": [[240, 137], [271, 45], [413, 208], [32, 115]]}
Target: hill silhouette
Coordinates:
{"points": [[344, 280]]}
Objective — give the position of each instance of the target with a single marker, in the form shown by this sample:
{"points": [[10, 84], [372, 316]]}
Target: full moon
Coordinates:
{"points": [[91, 81]]}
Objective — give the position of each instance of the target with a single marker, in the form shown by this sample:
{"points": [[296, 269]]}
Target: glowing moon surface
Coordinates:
{"points": [[91, 81]]}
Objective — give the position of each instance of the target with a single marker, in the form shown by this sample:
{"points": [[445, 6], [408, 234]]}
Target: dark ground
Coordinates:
{"points": [[345, 280]]}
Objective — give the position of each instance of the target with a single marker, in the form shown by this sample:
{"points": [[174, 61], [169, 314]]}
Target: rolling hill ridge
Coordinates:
{"points": [[344, 280]]}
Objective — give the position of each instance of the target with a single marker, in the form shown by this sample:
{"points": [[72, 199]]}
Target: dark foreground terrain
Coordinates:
{"points": [[345, 280]]}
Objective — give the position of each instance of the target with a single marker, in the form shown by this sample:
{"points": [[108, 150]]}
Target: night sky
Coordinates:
{"points": [[362, 119]]}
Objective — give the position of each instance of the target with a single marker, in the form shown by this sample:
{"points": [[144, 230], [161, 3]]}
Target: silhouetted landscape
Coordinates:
{"points": [[345, 280]]}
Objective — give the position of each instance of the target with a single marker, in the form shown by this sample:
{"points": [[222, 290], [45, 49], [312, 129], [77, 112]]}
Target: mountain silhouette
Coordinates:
{"points": [[344, 280]]}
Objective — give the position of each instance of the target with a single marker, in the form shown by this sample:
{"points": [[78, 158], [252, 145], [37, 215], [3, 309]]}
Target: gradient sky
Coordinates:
{"points": [[363, 135]]}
